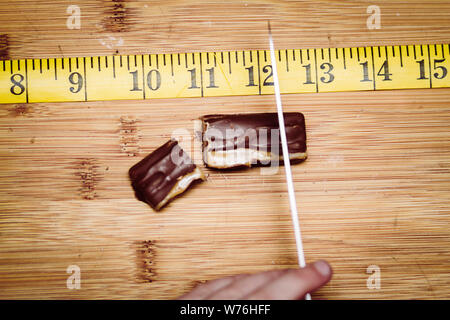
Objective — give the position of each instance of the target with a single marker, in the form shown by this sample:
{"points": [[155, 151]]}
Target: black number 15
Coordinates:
{"points": [[441, 71]]}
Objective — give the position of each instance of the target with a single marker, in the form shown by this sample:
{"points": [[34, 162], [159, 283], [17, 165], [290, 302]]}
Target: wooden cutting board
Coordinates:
{"points": [[374, 190]]}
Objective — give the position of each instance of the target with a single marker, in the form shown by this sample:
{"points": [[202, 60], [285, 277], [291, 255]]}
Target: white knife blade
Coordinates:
{"points": [[287, 162]]}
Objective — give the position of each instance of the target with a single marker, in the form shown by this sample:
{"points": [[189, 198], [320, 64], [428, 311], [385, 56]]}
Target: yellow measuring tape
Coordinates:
{"points": [[207, 74]]}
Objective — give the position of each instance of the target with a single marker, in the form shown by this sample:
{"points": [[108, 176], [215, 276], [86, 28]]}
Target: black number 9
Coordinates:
{"points": [[76, 79]]}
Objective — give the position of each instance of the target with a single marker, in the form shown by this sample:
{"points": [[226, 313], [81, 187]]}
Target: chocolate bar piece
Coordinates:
{"points": [[163, 174], [251, 139]]}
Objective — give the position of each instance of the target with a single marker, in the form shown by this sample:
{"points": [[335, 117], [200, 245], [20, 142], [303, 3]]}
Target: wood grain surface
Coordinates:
{"points": [[374, 190]]}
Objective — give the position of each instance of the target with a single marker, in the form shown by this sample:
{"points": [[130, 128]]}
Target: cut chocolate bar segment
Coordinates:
{"points": [[163, 174], [251, 139]]}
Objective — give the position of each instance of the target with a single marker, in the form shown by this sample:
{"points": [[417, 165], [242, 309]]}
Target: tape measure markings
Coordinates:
{"points": [[207, 74]]}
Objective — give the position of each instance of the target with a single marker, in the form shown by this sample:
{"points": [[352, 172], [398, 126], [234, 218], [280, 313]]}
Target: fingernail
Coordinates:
{"points": [[322, 267]]}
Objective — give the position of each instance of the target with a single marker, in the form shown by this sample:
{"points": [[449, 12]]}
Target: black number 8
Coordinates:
{"points": [[17, 84]]}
